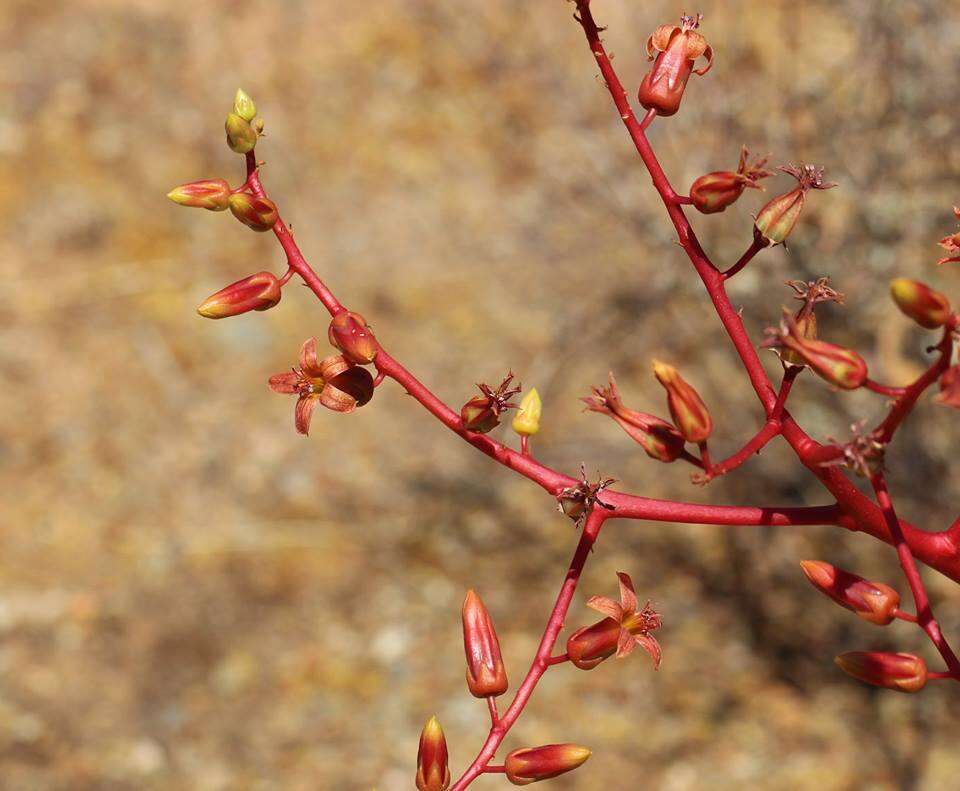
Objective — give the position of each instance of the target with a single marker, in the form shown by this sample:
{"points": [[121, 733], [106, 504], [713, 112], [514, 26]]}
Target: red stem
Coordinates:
{"points": [[755, 247]]}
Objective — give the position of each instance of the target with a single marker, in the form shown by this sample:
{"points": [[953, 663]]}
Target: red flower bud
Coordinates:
{"points": [[253, 211], [212, 194], [841, 367], [241, 137], [929, 308], [532, 764], [486, 675], [687, 409], [949, 394], [351, 335], [715, 191], [433, 772], [872, 601], [657, 437], [256, 292], [679, 46], [902, 672], [776, 220]]}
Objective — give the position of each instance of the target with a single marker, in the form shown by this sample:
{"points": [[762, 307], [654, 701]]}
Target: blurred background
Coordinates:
{"points": [[192, 596]]}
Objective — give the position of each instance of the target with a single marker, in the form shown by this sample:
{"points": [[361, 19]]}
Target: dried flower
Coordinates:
{"points": [[532, 764], [929, 308], [255, 212], [433, 772], [949, 394], [841, 367], [901, 672], [715, 191], [872, 601], [687, 409], [333, 382], [351, 334], [527, 420], [776, 220], [211, 194], [864, 453], [243, 106], [951, 243], [241, 137], [624, 628], [577, 501], [678, 46], [482, 413], [486, 675], [256, 292]]}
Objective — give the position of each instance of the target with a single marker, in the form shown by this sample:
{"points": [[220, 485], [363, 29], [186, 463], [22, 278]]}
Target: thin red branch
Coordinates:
{"points": [[755, 247]]}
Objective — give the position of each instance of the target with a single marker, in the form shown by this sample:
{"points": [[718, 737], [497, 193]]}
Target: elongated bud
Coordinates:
{"points": [[532, 764], [715, 191], [949, 394], [678, 47], [687, 409], [256, 292], [929, 308], [841, 367], [243, 106], [777, 219], [350, 333], [901, 672], [433, 773], [241, 137], [254, 212], [486, 675], [527, 420], [211, 194], [872, 601]]}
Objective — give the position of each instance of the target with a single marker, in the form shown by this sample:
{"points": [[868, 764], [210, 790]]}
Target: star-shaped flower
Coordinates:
{"points": [[635, 625]]}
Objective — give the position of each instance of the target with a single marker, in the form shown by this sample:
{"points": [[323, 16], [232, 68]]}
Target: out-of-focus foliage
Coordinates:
{"points": [[193, 596]]}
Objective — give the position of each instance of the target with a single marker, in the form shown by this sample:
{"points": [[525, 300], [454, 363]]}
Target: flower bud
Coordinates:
{"points": [[777, 219], [433, 772], [872, 601], [590, 645], [527, 420], [350, 333], [687, 409], [211, 194], [949, 394], [253, 211], [479, 415], [678, 46], [929, 308], [256, 292], [901, 672], [241, 137], [715, 191], [532, 764], [841, 367], [486, 675], [243, 105]]}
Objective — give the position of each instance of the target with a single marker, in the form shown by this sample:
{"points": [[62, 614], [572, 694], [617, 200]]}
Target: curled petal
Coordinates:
{"points": [[649, 644], [660, 39], [348, 390], [304, 411], [337, 400], [284, 383], [628, 596], [605, 606], [625, 644], [708, 54], [308, 358]]}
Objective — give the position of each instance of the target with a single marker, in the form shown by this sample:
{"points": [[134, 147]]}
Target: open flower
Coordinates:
{"points": [[951, 244], [675, 48], [333, 381], [624, 628]]}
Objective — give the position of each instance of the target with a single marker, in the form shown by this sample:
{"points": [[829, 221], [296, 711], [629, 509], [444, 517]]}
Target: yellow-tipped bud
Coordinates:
{"points": [[432, 771], [243, 105], [527, 420], [241, 137], [929, 308], [689, 413]]}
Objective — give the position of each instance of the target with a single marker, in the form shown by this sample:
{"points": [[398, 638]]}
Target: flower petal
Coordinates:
{"points": [[625, 643], [285, 382], [308, 358], [304, 411], [606, 607], [628, 596], [337, 400], [649, 644]]}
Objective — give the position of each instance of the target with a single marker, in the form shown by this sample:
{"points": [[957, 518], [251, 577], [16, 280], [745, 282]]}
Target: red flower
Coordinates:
{"points": [[333, 382], [951, 244], [677, 48]]}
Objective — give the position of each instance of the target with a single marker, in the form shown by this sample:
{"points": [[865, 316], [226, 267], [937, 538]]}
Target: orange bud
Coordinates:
{"points": [[715, 191], [841, 367], [687, 409], [901, 672], [531, 764], [433, 772], [929, 308], [211, 194], [486, 675], [351, 335], [679, 46], [949, 394], [872, 601], [253, 211], [777, 219], [256, 292]]}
